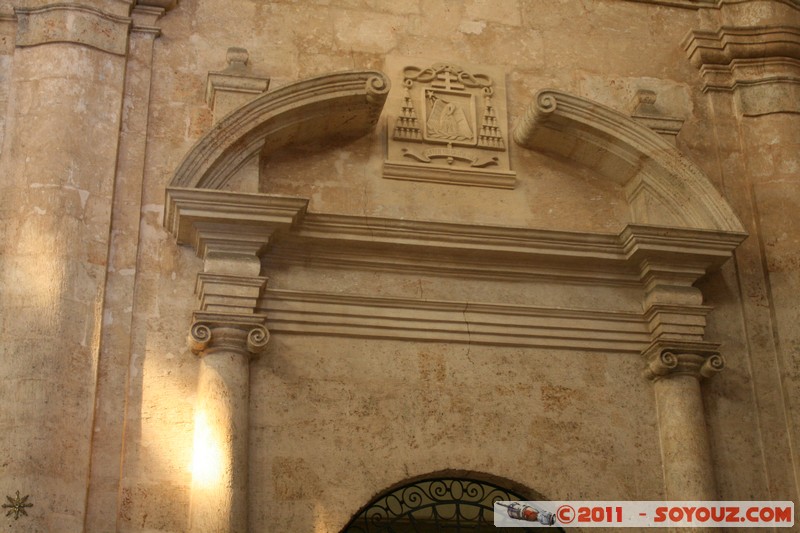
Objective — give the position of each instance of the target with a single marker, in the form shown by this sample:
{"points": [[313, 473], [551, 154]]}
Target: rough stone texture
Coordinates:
{"points": [[418, 408], [96, 298]]}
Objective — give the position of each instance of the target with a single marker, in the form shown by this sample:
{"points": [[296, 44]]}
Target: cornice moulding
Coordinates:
{"points": [[628, 153], [653, 244], [759, 64], [722, 46], [72, 23], [229, 219], [339, 105], [446, 235], [452, 263]]}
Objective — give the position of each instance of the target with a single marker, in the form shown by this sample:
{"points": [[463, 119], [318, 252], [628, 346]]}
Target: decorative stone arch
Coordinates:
{"points": [[682, 228], [340, 105], [662, 186]]}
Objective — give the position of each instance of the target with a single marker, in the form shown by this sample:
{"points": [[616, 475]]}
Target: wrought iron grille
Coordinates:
{"points": [[442, 505]]}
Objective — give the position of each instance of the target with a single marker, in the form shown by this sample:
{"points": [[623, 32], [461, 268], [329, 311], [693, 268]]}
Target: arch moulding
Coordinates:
{"points": [[662, 186]]}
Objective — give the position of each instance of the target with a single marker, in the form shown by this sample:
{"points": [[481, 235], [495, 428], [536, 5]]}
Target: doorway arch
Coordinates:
{"points": [[450, 503]]}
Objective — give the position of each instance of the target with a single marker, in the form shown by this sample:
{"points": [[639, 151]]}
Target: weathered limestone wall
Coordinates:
{"points": [[100, 389], [334, 424]]}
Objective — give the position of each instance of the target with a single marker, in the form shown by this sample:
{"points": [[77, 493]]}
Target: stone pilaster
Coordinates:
{"points": [[678, 357], [220, 464], [229, 231], [748, 59], [226, 332], [676, 368], [66, 86], [115, 344]]}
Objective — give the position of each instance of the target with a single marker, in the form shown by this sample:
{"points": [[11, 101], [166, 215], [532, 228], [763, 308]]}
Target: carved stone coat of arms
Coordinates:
{"points": [[449, 126]]}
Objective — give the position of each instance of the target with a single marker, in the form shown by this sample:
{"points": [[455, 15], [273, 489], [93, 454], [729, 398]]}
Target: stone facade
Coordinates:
{"points": [[548, 244]]}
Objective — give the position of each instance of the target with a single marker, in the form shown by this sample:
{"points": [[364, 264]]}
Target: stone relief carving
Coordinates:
{"points": [[449, 126]]}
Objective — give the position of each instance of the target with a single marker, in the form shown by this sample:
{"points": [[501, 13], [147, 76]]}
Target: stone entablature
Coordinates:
{"points": [[665, 263]]}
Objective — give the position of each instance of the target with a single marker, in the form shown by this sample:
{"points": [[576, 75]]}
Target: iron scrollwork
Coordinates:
{"points": [[456, 504]]}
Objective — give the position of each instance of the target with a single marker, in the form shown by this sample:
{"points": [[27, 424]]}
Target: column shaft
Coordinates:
{"points": [[219, 466], [685, 452]]}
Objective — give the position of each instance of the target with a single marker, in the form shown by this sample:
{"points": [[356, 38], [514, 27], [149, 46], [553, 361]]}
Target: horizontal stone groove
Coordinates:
{"points": [[453, 321]]}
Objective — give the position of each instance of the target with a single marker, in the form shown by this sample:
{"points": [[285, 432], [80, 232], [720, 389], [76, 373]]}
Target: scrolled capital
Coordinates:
{"points": [[696, 359], [215, 332], [199, 337], [257, 339], [377, 89], [661, 365], [712, 366]]}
